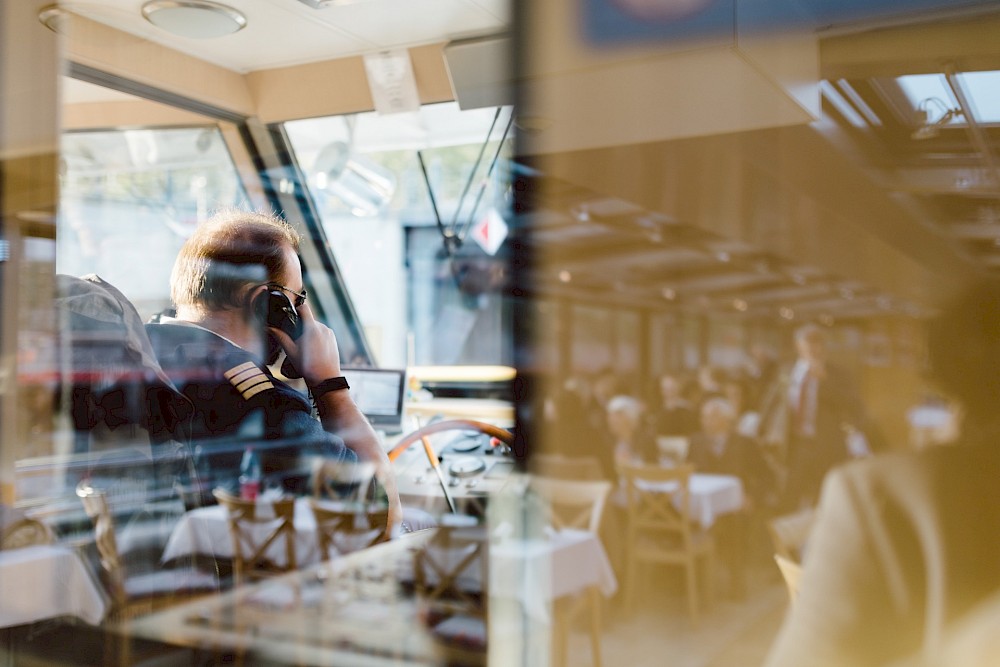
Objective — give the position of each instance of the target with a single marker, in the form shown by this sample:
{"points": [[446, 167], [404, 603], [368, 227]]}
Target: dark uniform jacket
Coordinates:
{"points": [[238, 402]]}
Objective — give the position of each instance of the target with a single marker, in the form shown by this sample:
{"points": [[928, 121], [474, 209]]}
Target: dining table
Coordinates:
{"points": [[48, 581], [349, 610], [363, 608], [204, 531], [711, 495]]}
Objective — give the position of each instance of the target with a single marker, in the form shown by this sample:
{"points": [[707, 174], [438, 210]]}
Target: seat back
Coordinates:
{"points": [[672, 449], [25, 533], [450, 569], [790, 532], [263, 535], [571, 503], [342, 528], [658, 501], [557, 466], [95, 504]]}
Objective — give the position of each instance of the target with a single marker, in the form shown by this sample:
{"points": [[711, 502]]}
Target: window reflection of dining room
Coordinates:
{"points": [[713, 574]]}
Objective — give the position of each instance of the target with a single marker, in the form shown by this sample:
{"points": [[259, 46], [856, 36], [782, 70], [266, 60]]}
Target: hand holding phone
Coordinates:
{"points": [[310, 346], [275, 309]]}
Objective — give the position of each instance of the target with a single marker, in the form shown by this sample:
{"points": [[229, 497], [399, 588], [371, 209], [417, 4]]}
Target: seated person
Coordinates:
{"points": [[629, 441], [675, 416], [905, 547], [214, 351], [719, 449]]}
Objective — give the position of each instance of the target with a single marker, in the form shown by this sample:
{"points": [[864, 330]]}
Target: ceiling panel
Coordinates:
{"points": [[280, 33]]}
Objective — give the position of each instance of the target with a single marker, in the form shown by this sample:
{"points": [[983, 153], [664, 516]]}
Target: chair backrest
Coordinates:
{"points": [[573, 504], [658, 499], [557, 466], [254, 527], [337, 480], [673, 448], [25, 533], [791, 572], [95, 504], [348, 528], [450, 569], [790, 532]]}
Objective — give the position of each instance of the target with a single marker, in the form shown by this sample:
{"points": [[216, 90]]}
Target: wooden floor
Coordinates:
{"points": [[659, 633]]}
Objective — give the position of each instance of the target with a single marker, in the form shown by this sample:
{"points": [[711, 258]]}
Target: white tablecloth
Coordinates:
{"points": [[206, 531], [47, 581], [711, 495], [540, 570]]}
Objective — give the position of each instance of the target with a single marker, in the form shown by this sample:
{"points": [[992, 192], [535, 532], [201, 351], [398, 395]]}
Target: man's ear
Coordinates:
{"points": [[250, 295]]}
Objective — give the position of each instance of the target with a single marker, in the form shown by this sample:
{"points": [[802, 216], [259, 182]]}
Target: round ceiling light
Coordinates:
{"points": [[197, 19], [53, 17]]}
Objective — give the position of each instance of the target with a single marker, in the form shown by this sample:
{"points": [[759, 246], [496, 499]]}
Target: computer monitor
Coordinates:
{"points": [[378, 392]]}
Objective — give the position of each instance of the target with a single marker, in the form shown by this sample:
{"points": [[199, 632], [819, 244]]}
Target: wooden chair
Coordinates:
{"points": [[659, 528], [557, 466], [254, 527], [451, 577], [341, 530], [673, 449], [790, 532], [573, 504], [25, 533], [578, 505], [133, 594]]}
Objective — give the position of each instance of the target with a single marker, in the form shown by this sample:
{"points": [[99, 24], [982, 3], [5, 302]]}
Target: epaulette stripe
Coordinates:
{"points": [[250, 382], [236, 370], [243, 375], [253, 391]]}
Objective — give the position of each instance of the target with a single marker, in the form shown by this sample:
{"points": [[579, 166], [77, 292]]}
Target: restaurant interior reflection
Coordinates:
{"points": [[572, 252]]}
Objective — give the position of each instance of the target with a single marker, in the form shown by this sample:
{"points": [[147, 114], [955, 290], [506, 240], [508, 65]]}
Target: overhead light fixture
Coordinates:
{"points": [[926, 109], [194, 19], [53, 17]]}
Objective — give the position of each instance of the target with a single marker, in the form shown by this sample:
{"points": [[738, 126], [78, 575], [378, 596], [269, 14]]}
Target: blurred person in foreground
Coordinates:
{"points": [[216, 351], [902, 564]]}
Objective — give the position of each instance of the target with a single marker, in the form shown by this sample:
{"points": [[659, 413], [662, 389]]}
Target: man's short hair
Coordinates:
{"points": [[232, 250]]}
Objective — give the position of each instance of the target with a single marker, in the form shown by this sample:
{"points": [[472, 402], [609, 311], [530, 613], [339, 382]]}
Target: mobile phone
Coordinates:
{"points": [[275, 309]]}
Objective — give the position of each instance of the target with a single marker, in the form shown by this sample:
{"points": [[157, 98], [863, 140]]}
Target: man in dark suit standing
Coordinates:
{"points": [[823, 408]]}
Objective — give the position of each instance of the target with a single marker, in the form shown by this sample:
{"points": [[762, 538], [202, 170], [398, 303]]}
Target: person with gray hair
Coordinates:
{"points": [[630, 443], [719, 449]]}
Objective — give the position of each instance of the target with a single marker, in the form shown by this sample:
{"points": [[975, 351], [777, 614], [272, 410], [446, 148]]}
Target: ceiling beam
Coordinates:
{"points": [[970, 44]]}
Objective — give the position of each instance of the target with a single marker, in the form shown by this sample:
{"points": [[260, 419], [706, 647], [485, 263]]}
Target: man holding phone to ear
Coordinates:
{"points": [[238, 281]]}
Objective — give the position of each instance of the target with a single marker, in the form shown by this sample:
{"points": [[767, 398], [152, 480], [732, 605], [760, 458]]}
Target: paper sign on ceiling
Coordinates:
{"points": [[391, 81]]}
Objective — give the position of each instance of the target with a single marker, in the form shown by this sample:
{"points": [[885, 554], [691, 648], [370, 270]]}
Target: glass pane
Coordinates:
{"points": [[931, 93], [413, 293], [984, 93], [130, 198]]}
